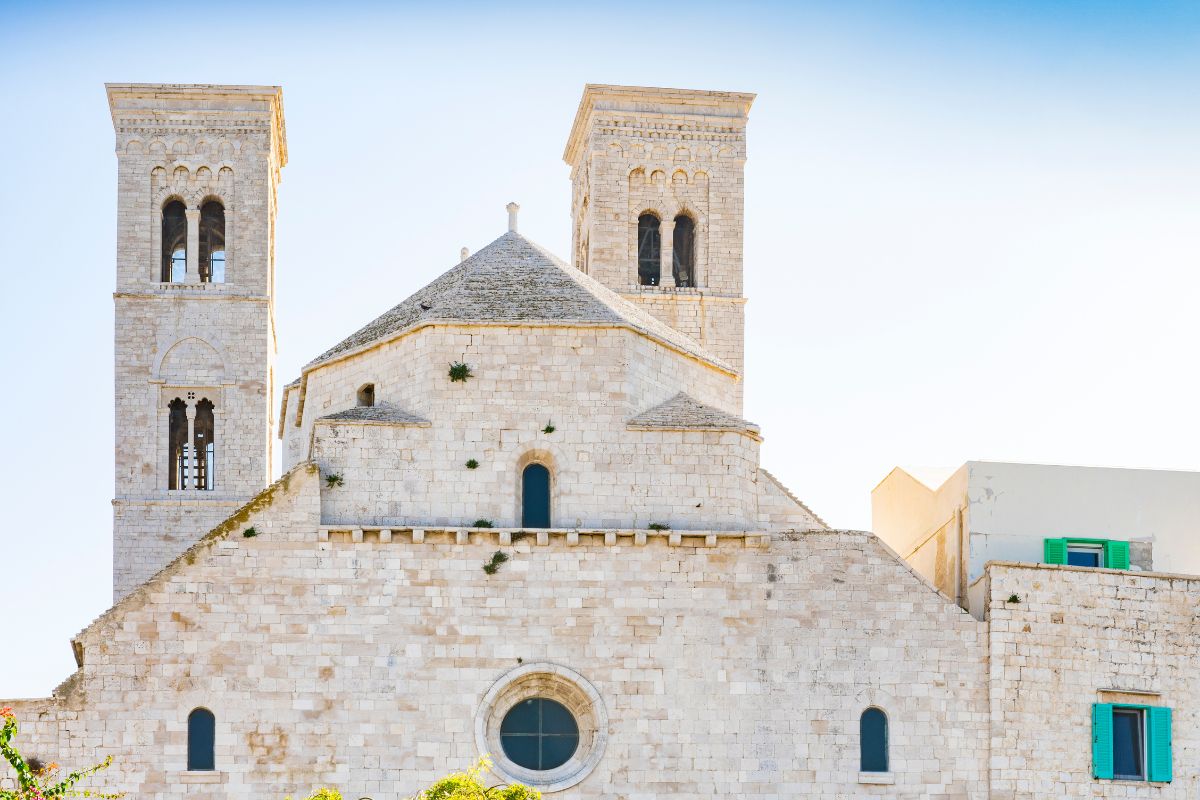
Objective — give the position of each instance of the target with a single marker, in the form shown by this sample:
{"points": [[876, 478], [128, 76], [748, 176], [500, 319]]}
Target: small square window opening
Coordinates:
{"points": [[1085, 555]]}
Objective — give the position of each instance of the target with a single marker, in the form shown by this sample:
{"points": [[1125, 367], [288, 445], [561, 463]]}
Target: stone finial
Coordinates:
{"points": [[463, 254], [513, 209]]}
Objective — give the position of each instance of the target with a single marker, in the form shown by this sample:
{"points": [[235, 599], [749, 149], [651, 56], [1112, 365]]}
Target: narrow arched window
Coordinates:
{"points": [[206, 446], [202, 734], [366, 395], [873, 740], [683, 249], [212, 242], [174, 242], [535, 497], [649, 250], [177, 444]]}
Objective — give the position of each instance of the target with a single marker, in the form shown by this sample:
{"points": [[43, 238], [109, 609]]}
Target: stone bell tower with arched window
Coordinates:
{"points": [[197, 172], [657, 204]]}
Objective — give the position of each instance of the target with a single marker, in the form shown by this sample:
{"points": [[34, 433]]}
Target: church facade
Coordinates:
{"points": [[521, 514]]}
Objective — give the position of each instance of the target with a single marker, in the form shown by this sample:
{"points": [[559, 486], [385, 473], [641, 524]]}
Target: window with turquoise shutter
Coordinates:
{"points": [[1131, 742], [1108, 553], [1158, 734], [1102, 741]]}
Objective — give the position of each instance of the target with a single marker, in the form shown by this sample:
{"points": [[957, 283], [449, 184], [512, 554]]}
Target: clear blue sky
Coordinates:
{"points": [[971, 228]]}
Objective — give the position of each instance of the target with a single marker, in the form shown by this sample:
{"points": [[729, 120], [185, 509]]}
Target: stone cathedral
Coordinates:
{"points": [[521, 514]]}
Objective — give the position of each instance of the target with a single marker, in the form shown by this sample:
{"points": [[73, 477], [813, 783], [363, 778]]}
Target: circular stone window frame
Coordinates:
{"points": [[554, 682]]}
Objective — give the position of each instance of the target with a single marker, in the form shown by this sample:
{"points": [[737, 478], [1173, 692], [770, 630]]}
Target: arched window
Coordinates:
{"points": [[683, 248], [649, 250], [535, 497], [206, 446], [873, 741], [202, 734], [177, 445], [366, 395], [212, 242], [174, 242]]}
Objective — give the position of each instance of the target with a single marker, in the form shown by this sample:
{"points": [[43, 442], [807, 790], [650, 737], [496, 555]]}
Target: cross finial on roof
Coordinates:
{"points": [[513, 208], [463, 254]]}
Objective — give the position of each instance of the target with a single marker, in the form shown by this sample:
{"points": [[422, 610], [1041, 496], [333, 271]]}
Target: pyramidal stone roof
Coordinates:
{"points": [[382, 414], [513, 280], [684, 412]]}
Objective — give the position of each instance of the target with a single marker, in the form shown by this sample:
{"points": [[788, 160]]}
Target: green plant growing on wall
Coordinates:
{"points": [[659, 526], [549, 427], [472, 464], [460, 372], [324, 793], [468, 785], [493, 566], [482, 523], [1013, 598], [36, 781], [333, 479], [250, 533]]}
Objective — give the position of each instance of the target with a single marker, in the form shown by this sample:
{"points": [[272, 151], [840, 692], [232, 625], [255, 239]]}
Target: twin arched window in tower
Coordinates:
{"points": [[210, 263], [683, 250], [191, 444]]}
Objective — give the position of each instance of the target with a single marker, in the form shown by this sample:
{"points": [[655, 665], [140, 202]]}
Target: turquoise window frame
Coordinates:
{"points": [[1115, 551], [1156, 742]]}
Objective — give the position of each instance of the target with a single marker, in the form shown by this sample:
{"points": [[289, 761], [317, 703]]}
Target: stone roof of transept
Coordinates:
{"points": [[684, 412], [515, 281], [382, 414]]}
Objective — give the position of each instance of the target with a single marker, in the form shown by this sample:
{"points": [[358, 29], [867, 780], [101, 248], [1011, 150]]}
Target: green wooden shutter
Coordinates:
{"points": [[1055, 551], [1102, 744], [1116, 555], [1158, 740]]}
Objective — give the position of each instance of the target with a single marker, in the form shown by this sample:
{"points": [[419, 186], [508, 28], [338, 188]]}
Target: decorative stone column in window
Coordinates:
{"points": [[193, 245]]}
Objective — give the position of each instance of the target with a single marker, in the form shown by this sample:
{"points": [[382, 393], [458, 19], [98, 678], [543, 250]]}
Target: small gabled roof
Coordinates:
{"points": [[515, 281], [684, 412], [382, 414]]}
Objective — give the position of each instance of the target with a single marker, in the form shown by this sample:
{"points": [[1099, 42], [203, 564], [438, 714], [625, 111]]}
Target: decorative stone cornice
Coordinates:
{"points": [[193, 108], [632, 110]]}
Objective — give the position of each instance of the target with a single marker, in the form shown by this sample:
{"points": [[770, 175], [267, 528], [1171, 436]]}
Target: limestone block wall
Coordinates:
{"points": [[152, 532], [723, 671], [587, 378], [1076, 637], [669, 152], [189, 339], [717, 322], [630, 479]]}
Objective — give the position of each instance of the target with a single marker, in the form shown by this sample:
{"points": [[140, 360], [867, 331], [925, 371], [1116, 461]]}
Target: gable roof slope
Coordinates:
{"points": [[684, 412], [513, 280]]}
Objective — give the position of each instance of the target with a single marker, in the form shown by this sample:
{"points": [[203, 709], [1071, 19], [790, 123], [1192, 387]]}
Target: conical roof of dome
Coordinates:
{"points": [[514, 280]]}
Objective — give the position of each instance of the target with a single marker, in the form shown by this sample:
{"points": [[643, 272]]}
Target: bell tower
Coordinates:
{"points": [[197, 171], [657, 194]]}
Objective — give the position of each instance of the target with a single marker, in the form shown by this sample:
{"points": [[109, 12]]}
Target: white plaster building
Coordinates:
{"points": [[950, 526], [521, 514]]}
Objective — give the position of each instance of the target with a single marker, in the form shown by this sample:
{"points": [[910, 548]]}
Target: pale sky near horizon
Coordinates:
{"points": [[971, 228]]}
